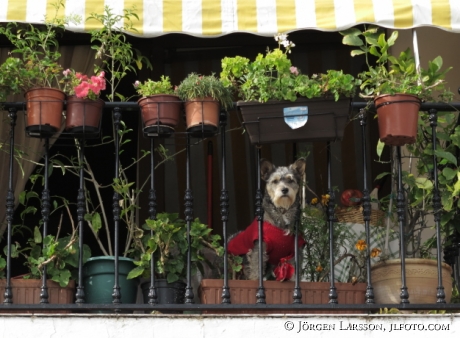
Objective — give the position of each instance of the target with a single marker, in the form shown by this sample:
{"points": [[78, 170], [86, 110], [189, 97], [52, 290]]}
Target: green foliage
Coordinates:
{"points": [[149, 87], [34, 59], [390, 74], [2, 267], [59, 255], [196, 86], [420, 186], [272, 77], [117, 55], [166, 238], [313, 223]]}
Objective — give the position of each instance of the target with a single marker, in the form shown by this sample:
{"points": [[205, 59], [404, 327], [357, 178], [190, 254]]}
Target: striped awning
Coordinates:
{"points": [[210, 18]]}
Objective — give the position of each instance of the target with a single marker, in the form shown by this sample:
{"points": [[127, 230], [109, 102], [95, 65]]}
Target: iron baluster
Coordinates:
{"points": [[401, 211], [188, 219], [153, 298], [8, 295], [116, 295], [46, 204], [260, 295], [80, 295], [224, 207], [297, 294], [437, 206], [366, 209], [331, 220]]}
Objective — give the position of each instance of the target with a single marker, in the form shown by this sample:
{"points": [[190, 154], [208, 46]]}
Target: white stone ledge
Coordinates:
{"points": [[232, 326]]}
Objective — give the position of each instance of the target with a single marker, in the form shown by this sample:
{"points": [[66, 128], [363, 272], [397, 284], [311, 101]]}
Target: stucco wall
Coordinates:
{"points": [[272, 326]]}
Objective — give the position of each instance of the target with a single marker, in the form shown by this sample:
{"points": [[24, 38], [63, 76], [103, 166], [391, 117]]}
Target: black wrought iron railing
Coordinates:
{"points": [[259, 302]]}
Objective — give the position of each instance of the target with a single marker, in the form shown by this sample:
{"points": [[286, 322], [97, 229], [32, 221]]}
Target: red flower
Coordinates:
{"points": [[284, 270]]}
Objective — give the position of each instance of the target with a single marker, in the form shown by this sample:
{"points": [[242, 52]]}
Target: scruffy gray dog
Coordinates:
{"points": [[280, 204]]}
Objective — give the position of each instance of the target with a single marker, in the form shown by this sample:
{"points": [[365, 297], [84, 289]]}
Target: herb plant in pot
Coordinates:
{"points": [[160, 108], [270, 89], [203, 96], [84, 107], [165, 239], [33, 69], [395, 85]]}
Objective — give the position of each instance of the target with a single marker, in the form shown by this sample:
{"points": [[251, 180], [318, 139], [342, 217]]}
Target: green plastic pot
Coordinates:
{"points": [[99, 280]]}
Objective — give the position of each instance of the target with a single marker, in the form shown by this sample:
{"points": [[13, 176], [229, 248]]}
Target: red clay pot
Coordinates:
{"points": [[244, 292], [44, 110], [83, 115], [398, 118], [202, 111], [161, 109]]}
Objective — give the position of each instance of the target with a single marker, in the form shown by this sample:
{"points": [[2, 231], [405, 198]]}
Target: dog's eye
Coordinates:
{"points": [[290, 180], [275, 181]]}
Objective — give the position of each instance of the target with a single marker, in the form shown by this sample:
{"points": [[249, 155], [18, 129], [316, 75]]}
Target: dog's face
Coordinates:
{"points": [[282, 183]]}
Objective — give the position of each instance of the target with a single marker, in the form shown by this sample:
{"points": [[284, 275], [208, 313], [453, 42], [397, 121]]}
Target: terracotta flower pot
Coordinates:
{"points": [[160, 113], [44, 110], [421, 281], [398, 118], [244, 292], [202, 114], [27, 291], [83, 115]]}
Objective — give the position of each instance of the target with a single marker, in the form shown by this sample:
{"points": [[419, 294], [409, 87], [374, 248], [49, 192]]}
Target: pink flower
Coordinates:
{"points": [[294, 70], [101, 74], [82, 89], [136, 84], [66, 72]]}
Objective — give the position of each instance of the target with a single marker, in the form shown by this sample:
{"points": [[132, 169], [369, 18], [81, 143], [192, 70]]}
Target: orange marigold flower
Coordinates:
{"points": [[325, 199], [361, 245], [314, 201], [319, 268], [375, 252]]}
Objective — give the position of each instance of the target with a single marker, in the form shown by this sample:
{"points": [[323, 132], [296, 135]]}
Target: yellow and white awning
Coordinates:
{"points": [[210, 18]]}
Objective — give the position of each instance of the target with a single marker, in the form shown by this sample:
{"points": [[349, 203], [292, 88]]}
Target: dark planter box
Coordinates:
{"points": [[244, 292], [264, 122]]}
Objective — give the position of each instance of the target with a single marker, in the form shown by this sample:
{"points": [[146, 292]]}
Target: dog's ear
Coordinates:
{"points": [[266, 168], [299, 166]]}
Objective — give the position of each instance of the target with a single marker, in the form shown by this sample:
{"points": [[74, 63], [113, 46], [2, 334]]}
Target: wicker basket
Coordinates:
{"points": [[355, 215]]}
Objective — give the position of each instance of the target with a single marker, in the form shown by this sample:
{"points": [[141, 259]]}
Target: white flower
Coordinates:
{"points": [[286, 43], [280, 37]]}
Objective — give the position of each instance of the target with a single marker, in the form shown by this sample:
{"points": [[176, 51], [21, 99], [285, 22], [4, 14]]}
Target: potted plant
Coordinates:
{"points": [[118, 59], [420, 193], [84, 107], [270, 89], [57, 256], [160, 108], [33, 69], [203, 96], [165, 239], [395, 84]]}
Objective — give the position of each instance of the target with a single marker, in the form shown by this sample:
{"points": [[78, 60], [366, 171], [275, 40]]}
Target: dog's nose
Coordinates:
{"points": [[285, 191]]}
